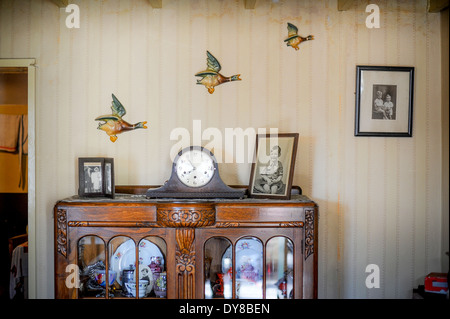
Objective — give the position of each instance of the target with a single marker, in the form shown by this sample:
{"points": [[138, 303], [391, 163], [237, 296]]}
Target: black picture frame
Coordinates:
{"points": [[96, 177], [384, 101], [285, 146]]}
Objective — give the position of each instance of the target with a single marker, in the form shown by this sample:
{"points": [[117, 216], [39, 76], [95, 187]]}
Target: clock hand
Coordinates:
{"points": [[192, 166]]}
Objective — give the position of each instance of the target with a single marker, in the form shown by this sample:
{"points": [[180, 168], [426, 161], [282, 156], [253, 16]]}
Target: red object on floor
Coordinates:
{"points": [[436, 282]]}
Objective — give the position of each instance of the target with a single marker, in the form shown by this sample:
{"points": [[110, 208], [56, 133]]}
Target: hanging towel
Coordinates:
{"points": [[14, 138], [9, 132], [23, 150], [23, 135]]}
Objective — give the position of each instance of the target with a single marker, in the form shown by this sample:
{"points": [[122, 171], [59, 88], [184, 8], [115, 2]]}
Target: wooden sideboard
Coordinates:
{"points": [[272, 245]]}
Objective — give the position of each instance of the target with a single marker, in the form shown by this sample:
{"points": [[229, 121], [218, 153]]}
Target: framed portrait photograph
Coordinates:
{"points": [[96, 177], [384, 101], [273, 166]]}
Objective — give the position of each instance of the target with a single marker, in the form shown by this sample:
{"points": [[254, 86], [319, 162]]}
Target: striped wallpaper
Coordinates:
{"points": [[379, 198]]}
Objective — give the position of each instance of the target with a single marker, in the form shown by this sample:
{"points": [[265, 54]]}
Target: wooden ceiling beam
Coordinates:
{"points": [[344, 5], [156, 4], [249, 4], [437, 5], [61, 3]]}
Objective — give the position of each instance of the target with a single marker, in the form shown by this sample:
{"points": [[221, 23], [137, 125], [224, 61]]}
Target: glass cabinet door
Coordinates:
{"points": [[123, 254], [122, 264], [279, 268], [92, 265], [249, 268], [150, 279], [152, 268], [218, 268]]}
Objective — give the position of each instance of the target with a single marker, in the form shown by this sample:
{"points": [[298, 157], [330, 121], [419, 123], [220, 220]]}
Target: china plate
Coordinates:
{"points": [[248, 257], [125, 255]]}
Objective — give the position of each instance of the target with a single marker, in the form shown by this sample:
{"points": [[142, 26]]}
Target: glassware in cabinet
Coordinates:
{"points": [[279, 268], [218, 268]]}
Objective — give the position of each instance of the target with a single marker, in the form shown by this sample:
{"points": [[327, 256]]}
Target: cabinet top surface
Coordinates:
{"points": [[141, 199]]}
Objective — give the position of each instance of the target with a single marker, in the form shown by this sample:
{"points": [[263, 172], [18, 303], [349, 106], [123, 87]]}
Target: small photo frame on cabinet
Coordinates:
{"points": [[273, 166], [96, 177], [384, 101]]}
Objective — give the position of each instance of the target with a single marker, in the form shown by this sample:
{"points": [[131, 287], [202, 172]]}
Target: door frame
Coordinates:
{"points": [[30, 64]]}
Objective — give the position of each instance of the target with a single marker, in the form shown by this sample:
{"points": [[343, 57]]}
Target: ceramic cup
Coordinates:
{"points": [[131, 287]]}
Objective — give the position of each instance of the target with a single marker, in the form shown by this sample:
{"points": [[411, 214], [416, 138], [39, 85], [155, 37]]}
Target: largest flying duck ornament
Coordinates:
{"points": [[293, 38], [211, 76], [113, 124]]}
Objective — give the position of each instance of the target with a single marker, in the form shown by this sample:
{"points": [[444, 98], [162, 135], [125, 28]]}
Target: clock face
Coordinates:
{"points": [[195, 168]]}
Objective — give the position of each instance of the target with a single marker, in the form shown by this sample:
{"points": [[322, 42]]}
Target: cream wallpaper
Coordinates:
{"points": [[379, 198]]}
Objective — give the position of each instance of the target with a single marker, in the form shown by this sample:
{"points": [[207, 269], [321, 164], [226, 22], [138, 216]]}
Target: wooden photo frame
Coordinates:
{"points": [[273, 166], [96, 177], [384, 101]]}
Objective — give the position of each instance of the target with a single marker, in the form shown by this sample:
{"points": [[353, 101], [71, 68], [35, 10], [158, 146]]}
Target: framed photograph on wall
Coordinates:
{"points": [[384, 101], [96, 177], [273, 166]]}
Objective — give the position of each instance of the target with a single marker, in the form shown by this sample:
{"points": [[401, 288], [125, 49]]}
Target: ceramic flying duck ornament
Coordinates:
{"points": [[211, 76], [293, 38], [113, 124]]}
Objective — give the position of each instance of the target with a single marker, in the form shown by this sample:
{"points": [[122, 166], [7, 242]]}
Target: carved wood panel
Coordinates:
{"points": [[188, 217], [61, 231], [309, 232], [185, 262]]}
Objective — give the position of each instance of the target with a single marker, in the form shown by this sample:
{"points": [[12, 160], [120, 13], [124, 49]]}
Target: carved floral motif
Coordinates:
{"points": [[309, 233], [61, 229], [185, 262], [186, 217]]}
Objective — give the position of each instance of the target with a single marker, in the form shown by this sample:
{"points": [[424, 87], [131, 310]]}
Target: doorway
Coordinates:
{"points": [[17, 178]]}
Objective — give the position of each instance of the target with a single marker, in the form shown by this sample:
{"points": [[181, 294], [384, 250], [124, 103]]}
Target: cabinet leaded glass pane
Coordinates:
{"points": [[218, 268], [91, 263], [279, 268], [249, 268], [152, 267], [122, 263]]}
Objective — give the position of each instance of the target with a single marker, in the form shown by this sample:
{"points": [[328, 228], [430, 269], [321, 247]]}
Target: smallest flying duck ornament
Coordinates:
{"points": [[211, 76], [113, 124], [293, 38]]}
